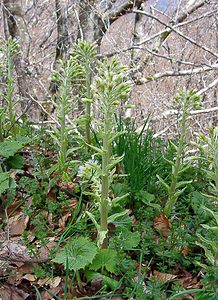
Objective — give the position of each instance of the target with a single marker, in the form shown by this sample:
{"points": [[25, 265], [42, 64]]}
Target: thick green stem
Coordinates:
{"points": [[105, 180], [88, 104], [63, 138], [172, 198]]}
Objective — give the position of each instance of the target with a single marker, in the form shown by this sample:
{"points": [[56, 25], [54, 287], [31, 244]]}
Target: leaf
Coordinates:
{"points": [[208, 252], [145, 197], [4, 182], [129, 239], [9, 148], [77, 254], [98, 150], [92, 217], [106, 258], [163, 277], [101, 236], [106, 281], [113, 217], [117, 199], [162, 224], [15, 162], [163, 182], [181, 183]]}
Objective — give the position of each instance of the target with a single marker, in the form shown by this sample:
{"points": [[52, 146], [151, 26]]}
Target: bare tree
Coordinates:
{"points": [[167, 44]]}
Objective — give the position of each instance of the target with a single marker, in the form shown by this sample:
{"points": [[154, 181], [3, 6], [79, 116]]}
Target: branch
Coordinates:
{"points": [[189, 10], [171, 112], [114, 8], [166, 33], [204, 90], [177, 73], [44, 110]]}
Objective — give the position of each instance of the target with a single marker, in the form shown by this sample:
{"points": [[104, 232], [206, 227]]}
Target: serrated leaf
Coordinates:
{"points": [[4, 182], [9, 148], [213, 228], [77, 254], [105, 258], [129, 239]]}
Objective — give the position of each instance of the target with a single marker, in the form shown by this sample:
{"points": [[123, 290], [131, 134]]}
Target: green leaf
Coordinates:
{"points": [[181, 183], [105, 258], [145, 197], [98, 150], [163, 182], [77, 254], [129, 239], [92, 217], [101, 237], [208, 253], [15, 162], [9, 148], [117, 199], [106, 281], [113, 217], [179, 192], [4, 182]]}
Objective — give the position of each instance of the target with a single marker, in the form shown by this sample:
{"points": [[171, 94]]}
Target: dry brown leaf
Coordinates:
{"points": [[163, 277], [29, 277], [17, 224], [162, 224], [8, 292], [44, 251], [52, 291], [62, 221], [185, 251], [189, 282], [54, 282]]}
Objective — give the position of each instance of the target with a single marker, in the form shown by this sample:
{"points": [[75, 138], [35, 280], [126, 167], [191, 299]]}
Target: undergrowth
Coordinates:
{"points": [[113, 212]]}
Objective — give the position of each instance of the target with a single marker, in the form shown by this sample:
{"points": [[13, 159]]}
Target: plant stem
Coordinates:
{"points": [[172, 197], [105, 179]]}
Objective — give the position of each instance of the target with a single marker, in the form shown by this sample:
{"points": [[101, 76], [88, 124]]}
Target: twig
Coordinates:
{"points": [[44, 110], [172, 28]]}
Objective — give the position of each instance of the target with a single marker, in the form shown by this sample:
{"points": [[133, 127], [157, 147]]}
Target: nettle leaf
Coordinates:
{"points": [[129, 239], [106, 258], [4, 182], [9, 148], [77, 254]]}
